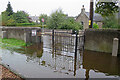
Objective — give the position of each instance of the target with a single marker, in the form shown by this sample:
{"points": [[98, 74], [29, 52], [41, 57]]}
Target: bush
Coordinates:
{"points": [[95, 26], [24, 24]]}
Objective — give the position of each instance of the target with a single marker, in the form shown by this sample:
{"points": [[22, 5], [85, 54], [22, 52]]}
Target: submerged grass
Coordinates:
{"points": [[12, 43]]}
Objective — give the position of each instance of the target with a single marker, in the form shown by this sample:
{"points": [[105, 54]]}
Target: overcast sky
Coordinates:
{"points": [[37, 7]]}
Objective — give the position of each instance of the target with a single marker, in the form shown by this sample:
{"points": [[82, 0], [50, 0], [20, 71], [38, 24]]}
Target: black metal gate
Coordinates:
{"points": [[67, 41]]}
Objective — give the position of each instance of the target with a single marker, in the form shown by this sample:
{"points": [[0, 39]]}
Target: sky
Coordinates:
{"points": [[37, 7]]}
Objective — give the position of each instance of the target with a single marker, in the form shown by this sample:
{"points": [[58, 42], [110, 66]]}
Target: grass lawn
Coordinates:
{"points": [[11, 43]]}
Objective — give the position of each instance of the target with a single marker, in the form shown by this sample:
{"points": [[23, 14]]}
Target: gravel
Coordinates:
{"points": [[6, 74]]}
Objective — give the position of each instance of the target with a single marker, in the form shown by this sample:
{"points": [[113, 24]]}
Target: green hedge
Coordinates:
{"points": [[24, 24]]}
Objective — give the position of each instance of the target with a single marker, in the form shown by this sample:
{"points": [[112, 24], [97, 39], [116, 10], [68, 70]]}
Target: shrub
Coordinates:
{"points": [[95, 26], [24, 24]]}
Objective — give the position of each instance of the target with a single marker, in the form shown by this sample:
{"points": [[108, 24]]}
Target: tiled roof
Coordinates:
{"points": [[96, 17]]}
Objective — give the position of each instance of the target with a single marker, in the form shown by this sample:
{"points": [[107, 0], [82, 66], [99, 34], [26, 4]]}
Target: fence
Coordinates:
{"points": [[64, 40]]}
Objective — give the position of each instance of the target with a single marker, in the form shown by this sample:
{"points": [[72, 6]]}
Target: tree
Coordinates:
{"points": [[0, 20], [9, 9], [59, 20], [55, 19], [106, 8], [43, 16], [4, 18], [21, 17], [110, 22], [11, 21]]}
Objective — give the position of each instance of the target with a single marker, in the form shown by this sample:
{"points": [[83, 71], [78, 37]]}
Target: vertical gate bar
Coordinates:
{"points": [[76, 45], [53, 37], [75, 58]]}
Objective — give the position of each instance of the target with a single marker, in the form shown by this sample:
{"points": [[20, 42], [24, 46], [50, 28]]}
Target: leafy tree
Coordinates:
{"points": [[21, 17], [110, 22], [59, 20], [9, 18], [9, 9], [11, 21], [56, 19], [45, 18], [4, 18], [0, 20], [106, 8]]}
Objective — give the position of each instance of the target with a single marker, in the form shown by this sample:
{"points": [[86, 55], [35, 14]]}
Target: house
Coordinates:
{"points": [[35, 19], [83, 18]]}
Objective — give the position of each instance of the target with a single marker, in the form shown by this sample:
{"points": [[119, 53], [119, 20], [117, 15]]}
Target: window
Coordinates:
{"points": [[82, 23]]}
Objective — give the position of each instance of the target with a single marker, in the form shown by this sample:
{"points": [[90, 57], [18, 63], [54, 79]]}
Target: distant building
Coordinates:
{"points": [[35, 19], [83, 18]]}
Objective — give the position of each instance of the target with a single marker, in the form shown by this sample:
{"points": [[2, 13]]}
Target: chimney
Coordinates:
{"points": [[83, 9]]}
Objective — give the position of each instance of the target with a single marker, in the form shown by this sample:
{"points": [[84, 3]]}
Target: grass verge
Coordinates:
{"points": [[11, 43]]}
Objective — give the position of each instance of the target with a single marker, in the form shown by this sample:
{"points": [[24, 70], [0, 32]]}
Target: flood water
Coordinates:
{"points": [[42, 61]]}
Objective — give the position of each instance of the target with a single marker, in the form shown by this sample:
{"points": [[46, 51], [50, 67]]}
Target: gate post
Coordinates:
{"points": [[53, 37], [115, 47], [76, 42]]}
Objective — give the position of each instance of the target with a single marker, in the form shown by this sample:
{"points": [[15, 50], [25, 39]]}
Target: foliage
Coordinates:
{"points": [[9, 9], [106, 8], [95, 26], [4, 18], [56, 19], [24, 24], [11, 21], [45, 18], [110, 22], [0, 20], [9, 18], [59, 20], [21, 17]]}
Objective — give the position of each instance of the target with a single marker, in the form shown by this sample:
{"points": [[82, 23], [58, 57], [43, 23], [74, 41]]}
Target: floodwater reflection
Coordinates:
{"points": [[101, 62], [44, 61]]}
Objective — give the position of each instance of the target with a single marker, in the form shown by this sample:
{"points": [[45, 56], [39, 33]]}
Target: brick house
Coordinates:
{"points": [[83, 18]]}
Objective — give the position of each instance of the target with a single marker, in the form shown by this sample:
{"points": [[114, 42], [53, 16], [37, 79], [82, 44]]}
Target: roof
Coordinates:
{"points": [[97, 17], [34, 18]]}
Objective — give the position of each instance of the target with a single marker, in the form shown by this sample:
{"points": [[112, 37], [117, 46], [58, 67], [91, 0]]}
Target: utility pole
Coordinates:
{"points": [[91, 14]]}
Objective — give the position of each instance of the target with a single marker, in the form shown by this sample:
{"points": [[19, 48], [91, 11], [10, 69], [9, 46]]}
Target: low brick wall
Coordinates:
{"points": [[101, 40], [21, 33]]}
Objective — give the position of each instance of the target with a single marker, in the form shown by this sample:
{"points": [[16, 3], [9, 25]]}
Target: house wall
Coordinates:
{"points": [[83, 18]]}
